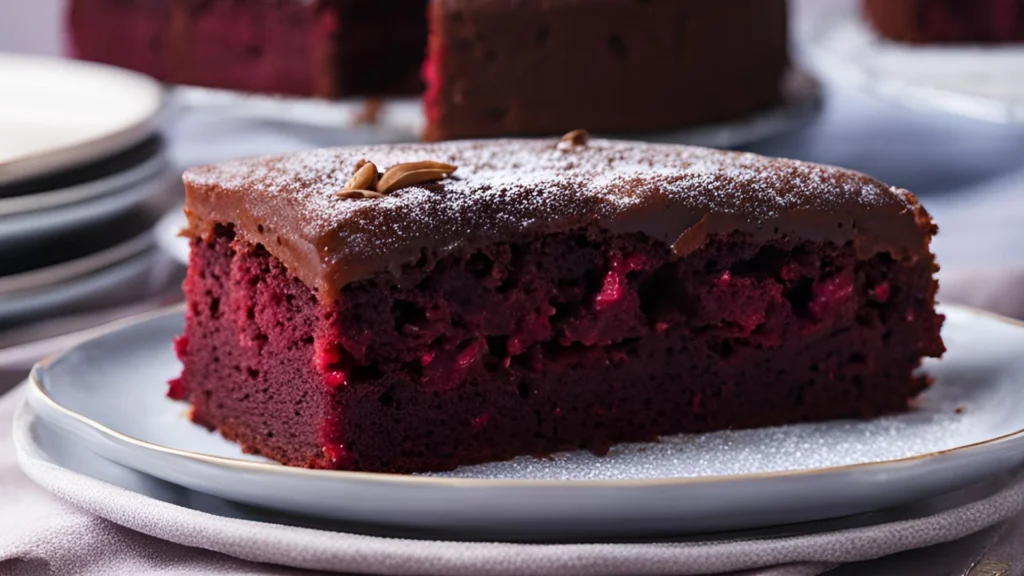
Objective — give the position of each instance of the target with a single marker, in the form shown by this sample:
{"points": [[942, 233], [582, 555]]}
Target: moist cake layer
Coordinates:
{"points": [[548, 296], [495, 67], [521, 67], [942, 21], [128, 33], [563, 341], [267, 46]]}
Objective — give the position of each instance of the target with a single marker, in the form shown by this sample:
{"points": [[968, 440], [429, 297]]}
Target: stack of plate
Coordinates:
{"points": [[83, 175]]}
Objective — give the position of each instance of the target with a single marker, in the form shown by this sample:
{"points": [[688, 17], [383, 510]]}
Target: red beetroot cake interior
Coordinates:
{"points": [[937, 21], [544, 341], [128, 33], [325, 48], [377, 47], [253, 46], [485, 67]]}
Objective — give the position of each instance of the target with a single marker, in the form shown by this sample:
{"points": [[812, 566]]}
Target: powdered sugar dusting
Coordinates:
{"points": [[505, 187], [736, 452], [955, 412]]}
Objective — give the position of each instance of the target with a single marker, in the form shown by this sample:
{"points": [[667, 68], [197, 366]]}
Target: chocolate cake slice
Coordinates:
{"points": [[481, 300], [267, 46]]}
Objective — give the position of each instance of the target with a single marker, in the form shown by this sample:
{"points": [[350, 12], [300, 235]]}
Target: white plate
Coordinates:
{"points": [[14, 285], [110, 392], [54, 459], [132, 175], [59, 113], [115, 284], [20, 229], [168, 236], [401, 120], [980, 81]]}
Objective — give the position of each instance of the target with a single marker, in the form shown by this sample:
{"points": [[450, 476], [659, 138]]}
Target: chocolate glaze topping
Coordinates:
{"points": [[506, 189]]}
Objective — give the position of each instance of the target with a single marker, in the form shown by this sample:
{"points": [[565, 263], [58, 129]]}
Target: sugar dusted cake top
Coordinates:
{"points": [[505, 189]]}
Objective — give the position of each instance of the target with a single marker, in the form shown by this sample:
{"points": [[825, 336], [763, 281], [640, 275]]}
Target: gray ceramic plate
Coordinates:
{"points": [[41, 446], [119, 282], [82, 191], [19, 230], [109, 393], [16, 285]]}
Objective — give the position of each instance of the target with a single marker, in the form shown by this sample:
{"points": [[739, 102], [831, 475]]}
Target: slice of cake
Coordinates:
{"points": [[420, 307], [327, 48], [266, 46], [500, 67], [127, 33], [942, 21], [377, 48]]}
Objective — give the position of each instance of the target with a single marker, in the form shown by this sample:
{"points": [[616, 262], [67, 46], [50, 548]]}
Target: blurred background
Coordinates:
{"points": [[89, 215]]}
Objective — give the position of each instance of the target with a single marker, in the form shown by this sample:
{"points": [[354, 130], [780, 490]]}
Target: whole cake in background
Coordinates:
{"points": [[943, 21], [421, 307], [486, 67]]}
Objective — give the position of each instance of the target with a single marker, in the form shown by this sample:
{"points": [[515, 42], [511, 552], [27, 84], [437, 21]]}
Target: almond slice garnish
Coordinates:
{"points": [[365, 177], [578, 137], [412, 173]]}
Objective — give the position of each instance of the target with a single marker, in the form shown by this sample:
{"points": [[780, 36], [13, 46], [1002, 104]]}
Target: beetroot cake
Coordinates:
{"points": [[941, 21], [327, 48], [548, 296], [494, 67], [127, 33], [262, 46], [500, 67], [377, 48]]}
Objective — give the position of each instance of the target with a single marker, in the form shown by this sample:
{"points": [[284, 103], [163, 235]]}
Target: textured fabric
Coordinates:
{"points": [[42, 532]]}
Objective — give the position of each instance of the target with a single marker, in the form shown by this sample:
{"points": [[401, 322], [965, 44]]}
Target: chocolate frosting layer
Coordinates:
{"points": [[504, 189]]}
